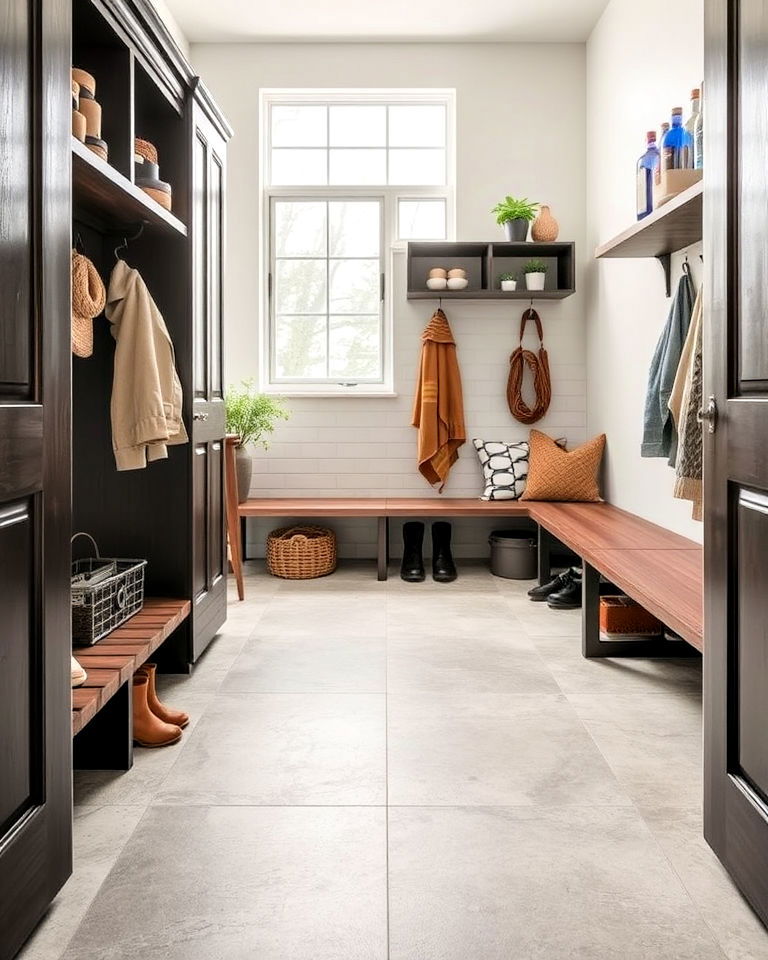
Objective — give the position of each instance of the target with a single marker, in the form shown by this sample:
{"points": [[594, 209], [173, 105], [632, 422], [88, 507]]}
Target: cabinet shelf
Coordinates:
{"points": [[672, 227], [484, 264], [106, 194]]}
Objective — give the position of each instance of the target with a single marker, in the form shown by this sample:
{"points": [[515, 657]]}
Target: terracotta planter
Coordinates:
{"points": [[244, 470]]}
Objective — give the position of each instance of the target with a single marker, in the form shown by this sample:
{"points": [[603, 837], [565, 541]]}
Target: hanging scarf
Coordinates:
{"points": [[438, 410], [88, 300], [538, 364]]}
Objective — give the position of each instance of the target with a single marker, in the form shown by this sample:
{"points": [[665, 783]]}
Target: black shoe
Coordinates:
{"points": [[569, 598], [547, 589], [412, 566], [443, 567]]}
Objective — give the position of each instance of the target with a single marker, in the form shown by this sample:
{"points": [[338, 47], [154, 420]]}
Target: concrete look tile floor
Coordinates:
{"points": [[390, 771]]}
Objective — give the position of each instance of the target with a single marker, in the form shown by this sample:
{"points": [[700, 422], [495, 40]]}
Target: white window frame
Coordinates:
{"points": [[391, 246]]}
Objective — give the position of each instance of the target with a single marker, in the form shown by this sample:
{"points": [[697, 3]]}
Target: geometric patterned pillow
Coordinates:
{"points": [[505, 468]]}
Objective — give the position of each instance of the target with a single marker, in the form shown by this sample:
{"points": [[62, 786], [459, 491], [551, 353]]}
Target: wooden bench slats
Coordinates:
{"points": [[668, 583], [655, 566], [112, 661]]}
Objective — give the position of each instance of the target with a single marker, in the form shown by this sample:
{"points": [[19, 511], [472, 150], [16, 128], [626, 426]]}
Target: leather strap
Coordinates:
{"points": [[538, 364]]}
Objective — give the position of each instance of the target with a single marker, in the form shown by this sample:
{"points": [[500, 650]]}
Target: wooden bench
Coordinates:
{"points": [[658, 568], [106, 694]]}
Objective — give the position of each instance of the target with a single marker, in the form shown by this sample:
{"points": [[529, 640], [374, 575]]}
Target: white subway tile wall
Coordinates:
{"points": [[337, 447]]}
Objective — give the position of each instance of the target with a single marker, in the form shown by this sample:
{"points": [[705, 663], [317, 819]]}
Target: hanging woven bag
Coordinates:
{"points": [[88, 300]]}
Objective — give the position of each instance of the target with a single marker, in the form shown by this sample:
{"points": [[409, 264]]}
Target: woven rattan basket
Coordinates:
{"points": [[301, 553]]}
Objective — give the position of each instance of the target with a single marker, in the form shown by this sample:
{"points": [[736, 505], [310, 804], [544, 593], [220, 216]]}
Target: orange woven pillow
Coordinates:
{"points": [[557, 474]]}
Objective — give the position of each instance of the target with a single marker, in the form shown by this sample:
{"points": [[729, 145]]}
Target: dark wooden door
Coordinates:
{"points": [[736, 453], [35, 704], [208, 419]]}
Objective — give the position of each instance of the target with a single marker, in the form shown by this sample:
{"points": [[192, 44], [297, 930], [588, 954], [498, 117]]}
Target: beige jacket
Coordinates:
{"points": [[146, 392]]}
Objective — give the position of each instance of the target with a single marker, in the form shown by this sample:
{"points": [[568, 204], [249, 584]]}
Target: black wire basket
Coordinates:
{"points": [[105, 593]]}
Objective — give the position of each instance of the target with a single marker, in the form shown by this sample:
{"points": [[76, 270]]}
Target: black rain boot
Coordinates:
{"points": [[443, 567], [412, 566]]}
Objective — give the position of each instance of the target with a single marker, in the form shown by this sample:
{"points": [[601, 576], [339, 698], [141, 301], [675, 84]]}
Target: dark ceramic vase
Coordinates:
{"points": [[244, 470], [516, 230]]}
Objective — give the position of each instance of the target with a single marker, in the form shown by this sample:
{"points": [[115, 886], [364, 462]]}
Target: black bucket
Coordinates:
{"points": [[514, 554]]}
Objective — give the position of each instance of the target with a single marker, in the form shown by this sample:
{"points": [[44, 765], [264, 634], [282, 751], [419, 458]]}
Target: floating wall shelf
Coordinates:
{"points": [[484, 263], [672, 227]]}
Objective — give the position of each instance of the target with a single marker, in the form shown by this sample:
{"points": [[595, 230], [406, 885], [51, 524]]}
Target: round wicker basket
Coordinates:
{"points": [[301, 552]]}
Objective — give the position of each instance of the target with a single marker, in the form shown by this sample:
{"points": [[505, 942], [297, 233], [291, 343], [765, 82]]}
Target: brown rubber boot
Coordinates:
{"points": [[166, 714], [149, 730]]}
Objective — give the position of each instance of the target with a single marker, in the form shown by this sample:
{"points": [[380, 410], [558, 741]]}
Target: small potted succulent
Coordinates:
{"points": [[515, 216], [535, 274], [508, 282], [250, 416]]}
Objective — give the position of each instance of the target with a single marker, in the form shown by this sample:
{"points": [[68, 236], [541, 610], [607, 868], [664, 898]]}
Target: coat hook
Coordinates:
{"points": [[127, 240]]}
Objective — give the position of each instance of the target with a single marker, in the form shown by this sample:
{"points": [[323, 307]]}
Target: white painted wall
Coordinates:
{"points": [[641, 61], [521, 130], [173, 25]]}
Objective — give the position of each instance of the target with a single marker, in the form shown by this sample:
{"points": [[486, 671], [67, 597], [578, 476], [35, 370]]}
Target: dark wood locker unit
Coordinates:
{"points": [[209, 138], [35, 748], [165, 512]]}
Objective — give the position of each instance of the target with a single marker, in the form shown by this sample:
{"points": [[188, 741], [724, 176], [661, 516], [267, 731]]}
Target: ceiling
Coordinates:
{"points": [[435, 21]]}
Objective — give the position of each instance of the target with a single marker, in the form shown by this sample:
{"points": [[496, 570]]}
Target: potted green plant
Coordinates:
{"points": [[535, 274], [515, 216], [508, 282], [250, 416]]}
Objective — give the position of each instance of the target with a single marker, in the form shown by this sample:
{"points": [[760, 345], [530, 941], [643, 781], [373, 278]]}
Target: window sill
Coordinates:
{"points": [[332, 394]]}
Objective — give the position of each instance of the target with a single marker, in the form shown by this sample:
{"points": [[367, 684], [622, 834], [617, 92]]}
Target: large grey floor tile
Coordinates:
{"points": [[309, 665], [646, 737], [737, 929], [284, 749], [244, 883], [151, 766], [99, 835], [467, 615], [317, 616], [534, 885], [575, 674], [493, 750], [482, 664]]}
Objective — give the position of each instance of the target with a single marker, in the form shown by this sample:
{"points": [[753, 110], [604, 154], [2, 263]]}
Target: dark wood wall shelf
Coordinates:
{"points": [[485, 263], [673, 227], [106, 194]]}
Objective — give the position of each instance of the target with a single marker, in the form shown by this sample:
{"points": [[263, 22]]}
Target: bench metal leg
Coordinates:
{"points": [[590, 612], [382, 552], [106, 743], [593, 647], [546, 542]]}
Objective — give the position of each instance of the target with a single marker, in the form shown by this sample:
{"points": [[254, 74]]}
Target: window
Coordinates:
{"points": [[348, 177]]}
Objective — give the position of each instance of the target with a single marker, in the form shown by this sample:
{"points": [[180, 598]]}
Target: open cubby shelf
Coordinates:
{"points": [[104, 193], [485, 263]]}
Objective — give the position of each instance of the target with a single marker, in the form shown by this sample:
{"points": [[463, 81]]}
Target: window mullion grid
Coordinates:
{"points": [[328, 289]]}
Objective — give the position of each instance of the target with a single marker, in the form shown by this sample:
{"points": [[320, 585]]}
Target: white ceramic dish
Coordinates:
{"points": [[437, 283], [457, 283]]}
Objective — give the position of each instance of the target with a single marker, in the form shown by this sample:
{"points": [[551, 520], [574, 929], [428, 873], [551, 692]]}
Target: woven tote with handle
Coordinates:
{"points": [[301, 552]]}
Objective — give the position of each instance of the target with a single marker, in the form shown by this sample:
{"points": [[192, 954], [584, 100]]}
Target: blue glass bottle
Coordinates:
{"points": [[646, 170], [677, 145]]}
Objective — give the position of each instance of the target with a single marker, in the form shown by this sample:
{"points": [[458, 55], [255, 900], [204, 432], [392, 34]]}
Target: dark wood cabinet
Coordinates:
{"points": [[57, 468], [736, 449], [208, 153], [35, 744]]}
